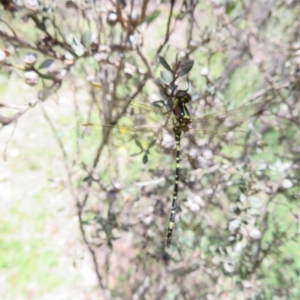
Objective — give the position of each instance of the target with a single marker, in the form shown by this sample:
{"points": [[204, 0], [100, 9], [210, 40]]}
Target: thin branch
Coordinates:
{"points": [[8, 142], [26, 44], [7, 120], [167, 36]]}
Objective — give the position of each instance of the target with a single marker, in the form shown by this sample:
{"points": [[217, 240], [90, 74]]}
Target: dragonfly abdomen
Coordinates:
{"points": [[175, 193]]}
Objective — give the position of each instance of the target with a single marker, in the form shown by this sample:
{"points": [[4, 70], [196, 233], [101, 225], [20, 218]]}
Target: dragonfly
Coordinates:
{"points": [[173, 117]]}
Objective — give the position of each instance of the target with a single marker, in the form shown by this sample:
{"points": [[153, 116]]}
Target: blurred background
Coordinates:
{"points": [[84, 209]]}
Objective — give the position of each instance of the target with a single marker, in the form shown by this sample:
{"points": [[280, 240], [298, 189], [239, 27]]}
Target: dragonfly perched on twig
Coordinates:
{"points": [[172, 115]]}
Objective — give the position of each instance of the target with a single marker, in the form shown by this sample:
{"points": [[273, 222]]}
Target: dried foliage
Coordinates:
{"points": [[236, 235]]}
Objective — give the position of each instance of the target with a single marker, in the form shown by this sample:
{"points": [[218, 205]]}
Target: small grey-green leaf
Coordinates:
{"points": [[164, 63], [135, 154], [230, 7], [234, 225], [71, 4], [186, 67], [86, 39], [153, 16], [75, 41], [159, 81], [137, 142], [187, 63], [166, 76], [46, 64], [153, 142], [229, 267], [79, 49], [255, 202], [145, 158], [85, 179]]}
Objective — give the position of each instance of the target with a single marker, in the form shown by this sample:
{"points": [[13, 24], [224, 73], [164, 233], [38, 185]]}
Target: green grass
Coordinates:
{"points": [[33, 206], [25, 257], [27, 262], [244, 81]]}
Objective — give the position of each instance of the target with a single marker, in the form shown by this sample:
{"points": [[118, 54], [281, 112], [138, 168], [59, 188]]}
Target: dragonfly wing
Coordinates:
{"points": [[115, 105], [136, 125], [123, 129], [222, 122]]}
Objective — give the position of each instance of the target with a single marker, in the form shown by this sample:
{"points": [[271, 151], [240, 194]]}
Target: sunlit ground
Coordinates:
{"points": [[41, 253]]}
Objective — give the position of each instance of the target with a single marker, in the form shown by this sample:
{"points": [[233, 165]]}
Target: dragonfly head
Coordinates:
{"points": [[183, 96]]}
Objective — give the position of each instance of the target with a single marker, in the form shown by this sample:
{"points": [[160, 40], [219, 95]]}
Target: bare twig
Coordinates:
{"points": [[167, 35]]}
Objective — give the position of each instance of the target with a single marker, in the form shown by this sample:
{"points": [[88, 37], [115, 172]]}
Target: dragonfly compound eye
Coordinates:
{"points": [[183, 96]]}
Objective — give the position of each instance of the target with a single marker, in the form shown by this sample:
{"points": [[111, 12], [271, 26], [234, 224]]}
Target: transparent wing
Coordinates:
{"points": [[222, 122], [143, 117], [125, 130], [125, 117], [121, 103]]}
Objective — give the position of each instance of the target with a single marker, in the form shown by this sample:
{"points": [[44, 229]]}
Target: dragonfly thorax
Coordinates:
{"points": [[181, 118]]}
